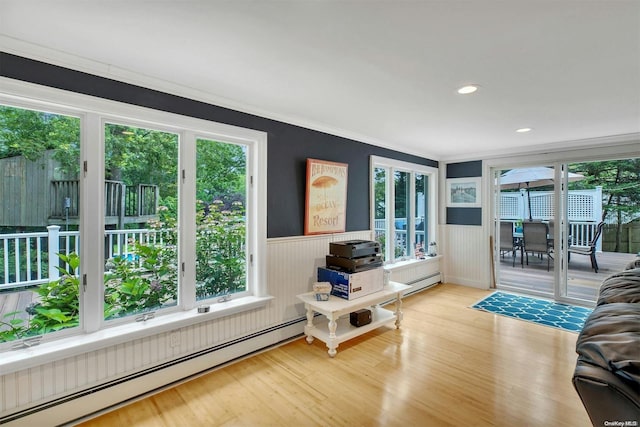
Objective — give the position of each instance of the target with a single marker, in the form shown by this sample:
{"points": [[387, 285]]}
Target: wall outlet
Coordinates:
{"points": [[174, 339]]}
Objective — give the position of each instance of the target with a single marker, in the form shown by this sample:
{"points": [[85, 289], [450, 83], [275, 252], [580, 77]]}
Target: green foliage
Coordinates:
{"points": [[220, 250], [221, 171], [30, 133], [398, 249], [380, 192], [620, 181], [57, 309], [142, 156], [146, 281]]}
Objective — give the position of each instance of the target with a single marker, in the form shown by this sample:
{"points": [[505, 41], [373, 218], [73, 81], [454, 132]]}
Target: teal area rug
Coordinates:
{"points": [[544, 312]]}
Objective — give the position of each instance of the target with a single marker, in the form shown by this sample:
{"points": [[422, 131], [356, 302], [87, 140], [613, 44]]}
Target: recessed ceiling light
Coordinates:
{"points": [[523, 130], [466, 90]]}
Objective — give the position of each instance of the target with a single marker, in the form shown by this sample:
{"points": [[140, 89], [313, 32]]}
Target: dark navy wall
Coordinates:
{"points": [[464, 216], [464, 169], [288, 148]]}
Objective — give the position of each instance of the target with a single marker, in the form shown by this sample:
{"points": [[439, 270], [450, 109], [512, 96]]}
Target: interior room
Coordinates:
{"points": [[423, 139]]}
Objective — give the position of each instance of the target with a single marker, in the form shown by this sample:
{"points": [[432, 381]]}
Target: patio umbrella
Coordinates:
{"points": [[532, 177]]}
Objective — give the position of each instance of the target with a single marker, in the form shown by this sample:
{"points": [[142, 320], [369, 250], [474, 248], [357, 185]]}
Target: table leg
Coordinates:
{"points": [[333, 325], [398, 310], [309, 325]]}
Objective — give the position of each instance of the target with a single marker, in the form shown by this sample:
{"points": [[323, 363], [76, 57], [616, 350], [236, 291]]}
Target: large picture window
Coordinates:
{"points": [[403, 207], [114, 214]]}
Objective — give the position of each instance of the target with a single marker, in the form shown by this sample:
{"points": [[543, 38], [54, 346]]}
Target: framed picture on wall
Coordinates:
{"points": [[326, 197], [464, 192]]}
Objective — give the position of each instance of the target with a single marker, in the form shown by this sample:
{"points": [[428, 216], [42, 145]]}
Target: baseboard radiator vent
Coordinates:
{"points": [[424, 283]]}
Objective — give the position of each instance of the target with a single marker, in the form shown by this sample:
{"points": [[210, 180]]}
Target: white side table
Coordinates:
{"points": [[336, 328]]}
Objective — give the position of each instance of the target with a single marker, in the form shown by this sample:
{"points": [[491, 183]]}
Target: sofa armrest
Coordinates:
{"points": [[605, 396]]}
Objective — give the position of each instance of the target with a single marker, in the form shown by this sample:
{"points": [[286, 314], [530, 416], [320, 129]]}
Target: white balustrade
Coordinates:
{"points": [[31, 258]]}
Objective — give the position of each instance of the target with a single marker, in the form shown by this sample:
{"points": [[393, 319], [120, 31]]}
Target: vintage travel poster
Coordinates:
{"points": [[326, 200]]}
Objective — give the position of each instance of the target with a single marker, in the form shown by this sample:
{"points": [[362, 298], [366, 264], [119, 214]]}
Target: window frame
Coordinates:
{"points": [[94, 332], [391, 166]]}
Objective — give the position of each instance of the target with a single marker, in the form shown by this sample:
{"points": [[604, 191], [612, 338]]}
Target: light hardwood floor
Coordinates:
{"points": [[448, 365]]}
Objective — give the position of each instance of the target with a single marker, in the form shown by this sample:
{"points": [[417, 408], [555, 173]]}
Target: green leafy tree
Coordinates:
{"points": [[221, 172], [30, 133], [380, 177], [142, 156], [620, 181]]}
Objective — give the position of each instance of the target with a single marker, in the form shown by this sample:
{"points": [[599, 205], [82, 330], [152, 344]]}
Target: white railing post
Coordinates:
{"points": [[597, 213], [54, 248]]}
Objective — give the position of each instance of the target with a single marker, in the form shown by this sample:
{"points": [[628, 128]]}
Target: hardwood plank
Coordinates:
{"points": [[448, 365]]}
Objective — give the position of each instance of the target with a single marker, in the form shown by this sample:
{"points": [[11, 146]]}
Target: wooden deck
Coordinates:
{"points": [[16, 301], [582, 281]]}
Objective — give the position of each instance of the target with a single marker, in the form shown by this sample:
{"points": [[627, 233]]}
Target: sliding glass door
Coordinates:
{"points": [[525, 228], [603, 211], [561, 228]]}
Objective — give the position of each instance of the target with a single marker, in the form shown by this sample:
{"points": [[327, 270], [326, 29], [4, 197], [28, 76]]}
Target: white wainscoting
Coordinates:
{"points": [[61, 390], [418, 274], [468, 256]]}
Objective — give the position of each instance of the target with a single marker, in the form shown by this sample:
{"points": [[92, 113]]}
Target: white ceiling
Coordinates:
{"points": [[382, 71]]}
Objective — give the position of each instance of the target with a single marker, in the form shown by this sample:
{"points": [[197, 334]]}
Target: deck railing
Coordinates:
{"points": [[31, 258], [582, 205], [119, 199], [400, 237]]}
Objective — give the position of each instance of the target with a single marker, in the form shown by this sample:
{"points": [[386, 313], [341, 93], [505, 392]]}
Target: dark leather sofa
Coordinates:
{"points": [[607, 374]]}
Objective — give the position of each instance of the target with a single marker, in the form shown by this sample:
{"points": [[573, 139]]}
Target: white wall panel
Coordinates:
{"points": [[46, 380], [467, 255], [9, 391]]}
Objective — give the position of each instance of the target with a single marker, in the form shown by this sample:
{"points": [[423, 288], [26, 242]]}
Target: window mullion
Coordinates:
{"points": [[187, 220], [411, 215], [391, 215], [92, 221]]}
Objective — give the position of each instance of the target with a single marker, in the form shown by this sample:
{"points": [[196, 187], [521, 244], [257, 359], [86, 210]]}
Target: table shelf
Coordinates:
{"points": [[345, 330], [334, 326]]}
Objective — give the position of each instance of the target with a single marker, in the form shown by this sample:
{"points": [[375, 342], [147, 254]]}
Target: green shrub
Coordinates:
{"points": [[220, 251]]}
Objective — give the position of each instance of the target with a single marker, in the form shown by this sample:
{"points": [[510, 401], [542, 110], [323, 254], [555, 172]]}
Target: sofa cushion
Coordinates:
{"points": [[621, 287], [609, 339]]}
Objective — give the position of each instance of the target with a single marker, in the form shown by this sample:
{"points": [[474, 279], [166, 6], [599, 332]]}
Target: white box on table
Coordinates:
{"points": [[352, 285]]}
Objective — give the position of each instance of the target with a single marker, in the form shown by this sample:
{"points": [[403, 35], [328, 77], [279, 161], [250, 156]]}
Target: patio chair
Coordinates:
{"points": [[535, 239], [507, 241], [590, 249], [551, 224]]}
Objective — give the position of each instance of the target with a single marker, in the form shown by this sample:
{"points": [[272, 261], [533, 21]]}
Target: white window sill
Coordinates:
{"points": [[56, 349], [399, 265]]}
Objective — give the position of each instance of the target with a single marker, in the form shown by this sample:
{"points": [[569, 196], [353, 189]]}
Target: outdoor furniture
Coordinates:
{"points": [[508, 242], [535, 239], [550, 230], [590, 249]]}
